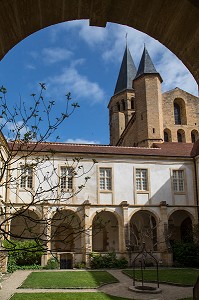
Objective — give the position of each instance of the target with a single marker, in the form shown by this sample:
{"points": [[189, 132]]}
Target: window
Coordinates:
{"points": [[179, 137], [177, 114], [123, 105], [132, 103], [66, 178], [26, 177], [194, 136], [142, 179], [105, 179], [166, 136], [178, 180]]}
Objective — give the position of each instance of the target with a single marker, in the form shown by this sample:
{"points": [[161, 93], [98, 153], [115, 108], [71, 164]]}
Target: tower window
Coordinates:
{"points": [[194, 136], [166, 136], [132, 103], [153, 130], [179, 137], [123, 105], [177, 114], [118, 106]]}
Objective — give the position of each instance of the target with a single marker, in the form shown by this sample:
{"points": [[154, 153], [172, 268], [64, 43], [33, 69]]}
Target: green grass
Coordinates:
{"points": [[68, 279], [64, 296], [178, 276]]}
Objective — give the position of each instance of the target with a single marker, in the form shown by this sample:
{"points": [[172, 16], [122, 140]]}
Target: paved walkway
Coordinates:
{"points": [[10, 285]]}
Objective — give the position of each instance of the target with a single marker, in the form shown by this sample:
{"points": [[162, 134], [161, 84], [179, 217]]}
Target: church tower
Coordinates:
{"points": [[122, 103], [148, 104]]}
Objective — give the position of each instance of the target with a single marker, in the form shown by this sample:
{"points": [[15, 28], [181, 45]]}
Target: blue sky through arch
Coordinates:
{"points": [[85, 61]]}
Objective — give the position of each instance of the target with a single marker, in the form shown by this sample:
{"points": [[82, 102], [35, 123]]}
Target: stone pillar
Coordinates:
{"points": [[124, 233], [87, 238], [162, 236], [47, 234]]}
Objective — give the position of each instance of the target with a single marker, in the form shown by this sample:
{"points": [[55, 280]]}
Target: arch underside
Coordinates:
{"points": [[174, 23]]}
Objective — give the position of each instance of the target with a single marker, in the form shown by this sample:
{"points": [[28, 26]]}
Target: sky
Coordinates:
{"points": [[85, 61]]}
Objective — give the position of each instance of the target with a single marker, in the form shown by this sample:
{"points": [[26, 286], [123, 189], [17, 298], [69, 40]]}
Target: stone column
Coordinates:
{"points": [[162, 236], [87, 238], [124, 233], [47, 234]]}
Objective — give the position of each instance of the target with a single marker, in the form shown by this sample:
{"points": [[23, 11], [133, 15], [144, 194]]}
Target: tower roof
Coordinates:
{"points": [[126, 74], [146, 65]]}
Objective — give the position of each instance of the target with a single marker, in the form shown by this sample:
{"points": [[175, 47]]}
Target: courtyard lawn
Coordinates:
{"points": [[68, 279], [176, 276], [64, 296]]}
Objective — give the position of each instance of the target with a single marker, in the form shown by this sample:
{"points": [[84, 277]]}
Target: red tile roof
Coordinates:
{"points": [[159, 149]]}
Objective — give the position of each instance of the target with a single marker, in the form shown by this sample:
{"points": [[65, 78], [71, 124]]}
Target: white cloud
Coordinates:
{"points": [[30, 67], [172, 70], [89, 34], [55, 54], [79, 85], [81, 141]]}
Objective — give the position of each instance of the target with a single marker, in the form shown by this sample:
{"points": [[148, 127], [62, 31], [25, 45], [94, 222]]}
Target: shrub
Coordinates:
{"points": [[52, 264], [23, 253], [80, 265], [186, 254], [107, 261]]}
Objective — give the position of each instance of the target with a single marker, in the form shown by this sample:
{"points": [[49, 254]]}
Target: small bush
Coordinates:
{"points": [[80, 265], [23, 254], [107, 261], [185, 254], [52, 264]]}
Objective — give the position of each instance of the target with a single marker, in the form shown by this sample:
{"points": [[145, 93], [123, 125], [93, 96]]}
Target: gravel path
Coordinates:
{"points": [[10, 285]]}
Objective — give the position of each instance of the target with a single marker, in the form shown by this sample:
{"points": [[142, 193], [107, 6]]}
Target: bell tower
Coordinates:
{"points": [[148, 105], [122, 103]]}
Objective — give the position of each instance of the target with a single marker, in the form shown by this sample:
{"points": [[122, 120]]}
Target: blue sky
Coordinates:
{"points": [[73, 57]]}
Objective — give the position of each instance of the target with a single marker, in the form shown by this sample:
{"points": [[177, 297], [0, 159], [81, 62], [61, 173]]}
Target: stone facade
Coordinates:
{"points": [[152, 120], [141, 189]]}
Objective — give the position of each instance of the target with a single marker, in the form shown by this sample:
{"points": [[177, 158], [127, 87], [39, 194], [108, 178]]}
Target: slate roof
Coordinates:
{"points": [[160, 149], [126, 74], [146, 65]]}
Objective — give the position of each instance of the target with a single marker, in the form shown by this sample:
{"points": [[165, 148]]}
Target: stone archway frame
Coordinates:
{"points": [[188, 213], [121, 242], [19, 214], [73, 211], [147, 210], [173, 23]]}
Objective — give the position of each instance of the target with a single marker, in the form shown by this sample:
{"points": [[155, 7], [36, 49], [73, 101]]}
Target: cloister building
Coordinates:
{"points": [[143, 187]]}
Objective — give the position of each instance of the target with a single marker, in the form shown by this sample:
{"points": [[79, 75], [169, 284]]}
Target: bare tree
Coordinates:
{"points": [[26, 152]]}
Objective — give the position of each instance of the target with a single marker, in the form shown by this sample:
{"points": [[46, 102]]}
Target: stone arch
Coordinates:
{"points": [[22, 18], [181, 136], [143, 229], [167, 135], [194, 135], [66, 232], [26, 225], [180, 226], [105, 232], [180, 115]]}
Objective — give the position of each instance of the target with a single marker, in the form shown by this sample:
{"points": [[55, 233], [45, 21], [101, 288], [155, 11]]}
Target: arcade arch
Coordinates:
{"points": [[66, 232], [26, 225], [180, 226], [105, 232], [143, 229]]}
